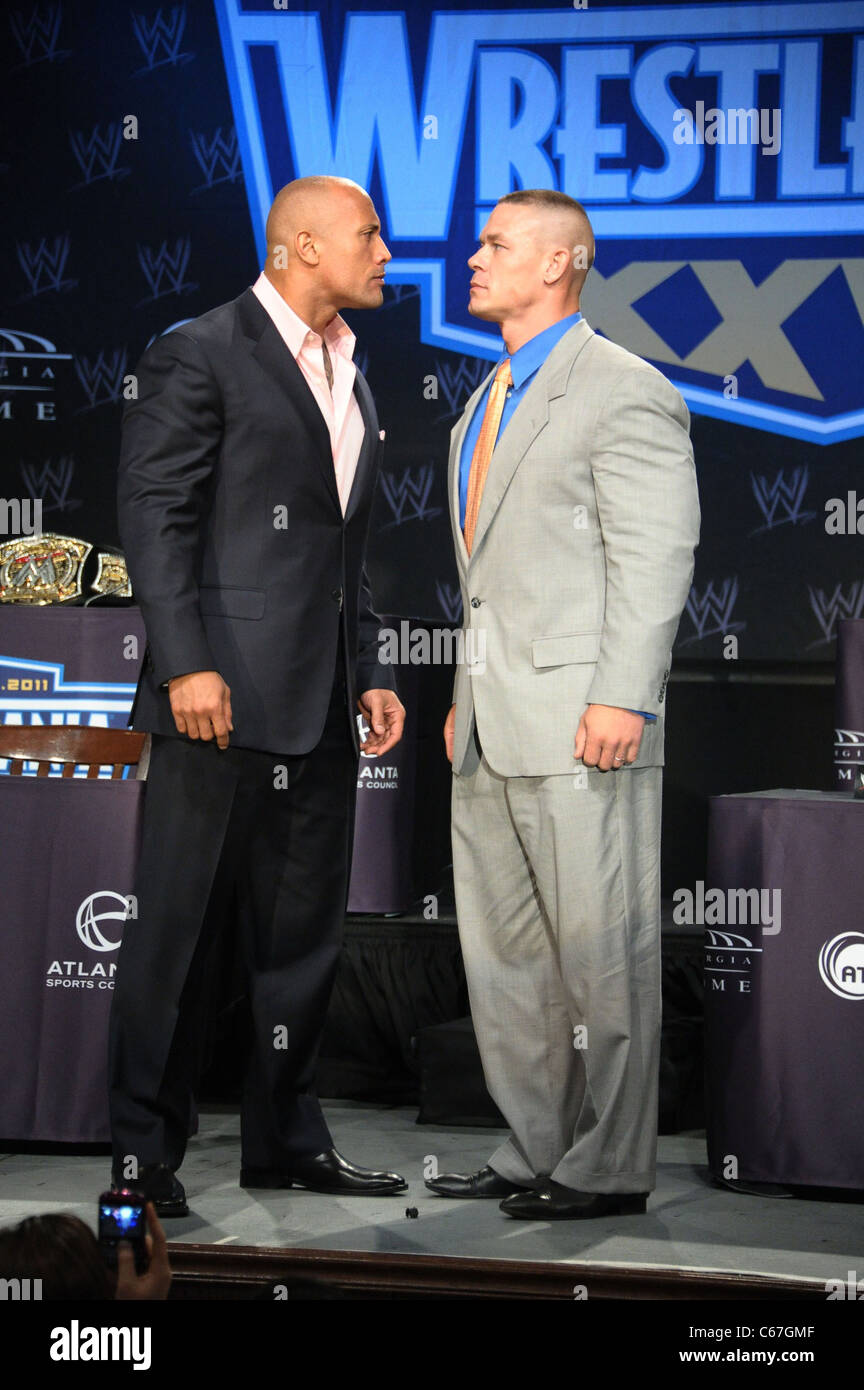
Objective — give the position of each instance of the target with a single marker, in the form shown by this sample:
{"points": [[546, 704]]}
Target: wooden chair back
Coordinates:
{"points": [[73, 746]]}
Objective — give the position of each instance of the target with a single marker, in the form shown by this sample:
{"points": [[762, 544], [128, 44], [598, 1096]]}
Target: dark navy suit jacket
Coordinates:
{"points": [[238, 552]]}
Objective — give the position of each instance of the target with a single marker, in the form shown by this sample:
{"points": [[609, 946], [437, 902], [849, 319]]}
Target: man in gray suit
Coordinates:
{"points": [[574, 536]]}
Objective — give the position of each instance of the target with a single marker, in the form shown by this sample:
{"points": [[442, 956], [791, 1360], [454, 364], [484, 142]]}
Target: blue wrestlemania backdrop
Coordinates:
{"points": [[718, 147]]}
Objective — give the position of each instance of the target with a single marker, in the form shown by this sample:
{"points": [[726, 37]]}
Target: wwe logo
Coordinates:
{"points": [[102, 379], [712, 611], [829, 609], [218, 156], [32, 572], [97, 154], [43, 264], [166, 265], [450, 599], [459, 382], [408, 495], [396, 293], [781, 494], [52, 482], [37, 33], [163, 34]]}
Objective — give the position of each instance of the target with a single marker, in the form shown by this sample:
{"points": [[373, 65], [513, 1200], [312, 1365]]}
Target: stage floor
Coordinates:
{"points": [[690, 1225]]}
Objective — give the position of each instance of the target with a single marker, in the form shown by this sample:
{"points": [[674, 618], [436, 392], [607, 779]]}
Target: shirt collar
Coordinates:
{"points": [[294, 331], [531, 355]]}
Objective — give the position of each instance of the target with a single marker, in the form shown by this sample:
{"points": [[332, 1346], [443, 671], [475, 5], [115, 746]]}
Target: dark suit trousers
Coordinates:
{"points": [[277, 833]]}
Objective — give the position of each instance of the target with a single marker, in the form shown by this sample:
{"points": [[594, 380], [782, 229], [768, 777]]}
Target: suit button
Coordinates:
{"points": [[475, 602], [336, 595]]}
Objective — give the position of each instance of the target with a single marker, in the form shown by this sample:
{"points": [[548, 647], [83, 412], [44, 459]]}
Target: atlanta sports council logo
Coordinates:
{"points": [[841, 964], [88, 920], [730, 265], [92, 920]]}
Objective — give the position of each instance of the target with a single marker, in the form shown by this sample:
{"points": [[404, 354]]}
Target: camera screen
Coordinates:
{"points": [[122, 1222]]}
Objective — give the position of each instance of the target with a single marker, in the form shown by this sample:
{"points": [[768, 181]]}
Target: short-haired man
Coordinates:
{"points": [[575, 518]]}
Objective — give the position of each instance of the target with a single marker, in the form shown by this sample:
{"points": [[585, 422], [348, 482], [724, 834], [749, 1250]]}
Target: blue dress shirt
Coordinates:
{"points": [[524, 366]]}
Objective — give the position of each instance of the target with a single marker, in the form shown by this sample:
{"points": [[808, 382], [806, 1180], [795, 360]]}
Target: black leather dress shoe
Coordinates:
{"points": [[549, 1201], [160, 1186], [325, 1172], [486, 1183]]}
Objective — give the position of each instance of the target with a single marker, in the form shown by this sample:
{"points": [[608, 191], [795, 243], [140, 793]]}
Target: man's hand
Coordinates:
{"points": [[608, 737], [384, 712], [156, 1280], [201, 705], [449, 730]]}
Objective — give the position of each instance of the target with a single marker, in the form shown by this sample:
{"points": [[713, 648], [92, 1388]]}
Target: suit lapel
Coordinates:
{"points": [[271, 352], [368, 449], [527, 421]]}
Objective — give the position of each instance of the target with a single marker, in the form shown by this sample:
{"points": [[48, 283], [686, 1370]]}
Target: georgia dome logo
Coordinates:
{"points": [[88, 920], [841, 964]]}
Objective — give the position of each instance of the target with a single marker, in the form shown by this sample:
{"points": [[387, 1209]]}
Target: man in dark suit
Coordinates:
{"points": [[247, 470]]}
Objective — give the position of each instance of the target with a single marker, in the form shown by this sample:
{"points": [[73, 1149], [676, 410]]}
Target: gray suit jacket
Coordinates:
{"points": [[582, 558]]}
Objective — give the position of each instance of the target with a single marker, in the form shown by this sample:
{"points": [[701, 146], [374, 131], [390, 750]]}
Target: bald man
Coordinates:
{"points": [[575, 517], [247, 469]]}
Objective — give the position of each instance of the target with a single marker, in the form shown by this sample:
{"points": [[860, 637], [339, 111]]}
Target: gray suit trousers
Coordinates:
{"points": [[558, 899]]}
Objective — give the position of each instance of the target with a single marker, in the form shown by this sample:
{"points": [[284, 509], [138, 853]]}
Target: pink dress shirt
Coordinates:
{"points": [[340, 410]]}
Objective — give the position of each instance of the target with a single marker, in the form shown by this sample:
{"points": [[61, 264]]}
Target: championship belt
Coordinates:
{"points": [[42, 569], [49, 568], [112, 576]]}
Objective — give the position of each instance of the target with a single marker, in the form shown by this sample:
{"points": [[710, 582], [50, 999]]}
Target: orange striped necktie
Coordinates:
{"points": [[484, 447]]}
